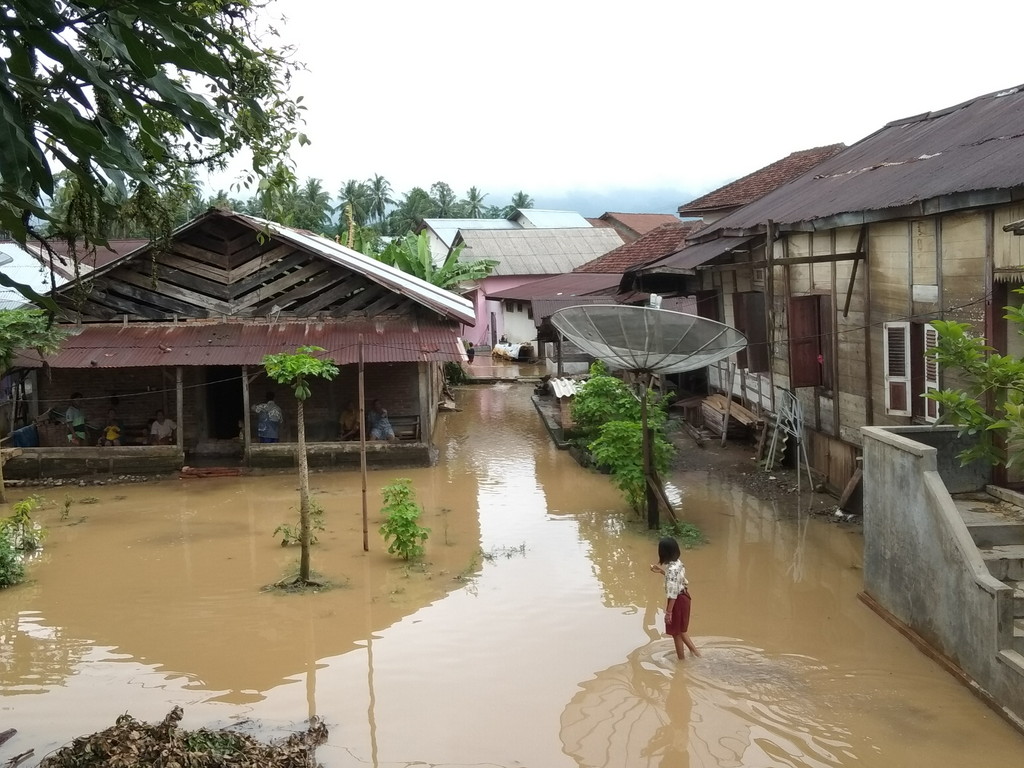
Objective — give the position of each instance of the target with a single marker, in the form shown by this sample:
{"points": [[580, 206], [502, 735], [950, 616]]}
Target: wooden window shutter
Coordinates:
{"points": [[931, 373], [825, 340], [804, 338], [896, 358], [739, 315], [756, 332]]}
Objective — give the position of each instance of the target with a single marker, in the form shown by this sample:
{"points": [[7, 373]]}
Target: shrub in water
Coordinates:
{"points": [[401, 528], [12, 570]]}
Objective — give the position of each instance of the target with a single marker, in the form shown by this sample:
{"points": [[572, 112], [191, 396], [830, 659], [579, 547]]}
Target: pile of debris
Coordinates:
{"points": [[129, 742]]}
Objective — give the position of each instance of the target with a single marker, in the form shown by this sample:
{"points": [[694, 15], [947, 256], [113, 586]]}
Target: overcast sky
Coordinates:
{"points": [[563, 96]]}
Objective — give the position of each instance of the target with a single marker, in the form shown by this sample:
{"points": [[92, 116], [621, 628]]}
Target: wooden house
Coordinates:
{"points": [[836, 275], [183, 327]]}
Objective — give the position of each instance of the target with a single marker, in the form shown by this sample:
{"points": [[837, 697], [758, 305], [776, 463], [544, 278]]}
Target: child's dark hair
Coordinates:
{"points": [[668, 550]]}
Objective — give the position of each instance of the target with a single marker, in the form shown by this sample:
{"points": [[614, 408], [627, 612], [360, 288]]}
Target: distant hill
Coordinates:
{"points": [[593, 203]]}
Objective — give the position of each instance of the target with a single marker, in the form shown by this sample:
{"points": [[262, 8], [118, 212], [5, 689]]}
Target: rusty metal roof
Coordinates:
{"points": [[967, 155], [558, 286], [140, 345], [686, 261]]}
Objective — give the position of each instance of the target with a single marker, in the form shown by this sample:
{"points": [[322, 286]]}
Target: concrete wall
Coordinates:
{"points": [[921, 564]]}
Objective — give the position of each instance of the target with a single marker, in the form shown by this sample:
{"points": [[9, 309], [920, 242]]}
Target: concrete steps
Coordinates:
{"points": [[988, 533], [1018, 635], [1005, 562]]}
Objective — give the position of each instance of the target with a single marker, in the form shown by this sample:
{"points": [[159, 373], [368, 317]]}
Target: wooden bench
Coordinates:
{"points": [[406, 427]]}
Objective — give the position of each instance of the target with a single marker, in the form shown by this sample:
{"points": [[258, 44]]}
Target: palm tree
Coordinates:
{"points": [[521, 200], [357, 194], [311, 207], [416, 207], [380, 197], [445, 201], [474, 203]]}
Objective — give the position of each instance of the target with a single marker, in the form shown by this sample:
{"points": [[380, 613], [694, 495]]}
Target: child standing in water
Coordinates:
{"points": [[677, 609]]}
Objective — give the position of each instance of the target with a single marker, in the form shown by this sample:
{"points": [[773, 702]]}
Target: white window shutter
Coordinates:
{"points": [[896, 359], [931, 373]]}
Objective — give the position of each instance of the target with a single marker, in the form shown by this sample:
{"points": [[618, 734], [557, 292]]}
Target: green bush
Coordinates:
{"points": [[604, 398], [12, 569], [620, 448], [401, 529]]}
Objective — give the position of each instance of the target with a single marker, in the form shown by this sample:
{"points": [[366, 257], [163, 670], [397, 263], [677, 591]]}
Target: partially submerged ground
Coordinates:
{"points": [[736, 462]]}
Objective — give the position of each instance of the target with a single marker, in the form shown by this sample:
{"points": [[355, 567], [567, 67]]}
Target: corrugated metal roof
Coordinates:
{"points": [[439, 300], [541, 218], [538, 251], [977, 146], [138, 345], [656, 244], [569, 284], [692, 256], [564, 387], [447, 229], [545, 308], [18, 264], [762, 181]]}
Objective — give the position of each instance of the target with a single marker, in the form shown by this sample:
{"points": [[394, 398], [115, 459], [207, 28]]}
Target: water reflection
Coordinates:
{"points": [[735, 706]]}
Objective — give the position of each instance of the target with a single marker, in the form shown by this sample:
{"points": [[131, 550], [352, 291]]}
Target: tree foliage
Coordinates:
{"points": [[986, 376], [26, 329], [411, 254], [134, 95], [608, 417]]}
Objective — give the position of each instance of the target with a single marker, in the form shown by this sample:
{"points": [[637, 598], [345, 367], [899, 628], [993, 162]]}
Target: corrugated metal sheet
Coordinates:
{"points": [[547, 219], [545, 308], [570, 284], [691, 257], [447, 229], [564, 387], [538, 251], [140, 345], [972, 147]]}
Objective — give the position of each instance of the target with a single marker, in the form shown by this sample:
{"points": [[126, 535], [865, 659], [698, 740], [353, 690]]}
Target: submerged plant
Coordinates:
{"points": [[12, 569], [18, 528], [687, 534], [292, 534], [401, 528]]}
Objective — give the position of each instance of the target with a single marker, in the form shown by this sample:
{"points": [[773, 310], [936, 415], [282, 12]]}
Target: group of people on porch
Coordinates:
{"points": [[159, 430], [378, 427], [163, 431]]}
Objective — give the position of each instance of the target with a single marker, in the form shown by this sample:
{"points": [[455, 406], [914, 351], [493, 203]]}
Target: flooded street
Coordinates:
{"points": [[529, 635]]}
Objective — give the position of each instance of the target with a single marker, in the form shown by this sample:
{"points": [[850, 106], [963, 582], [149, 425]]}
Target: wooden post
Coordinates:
{"points": [[179, 412], [652, 499], [362, 446], [560, 370], [246, 443], [728, 402]]}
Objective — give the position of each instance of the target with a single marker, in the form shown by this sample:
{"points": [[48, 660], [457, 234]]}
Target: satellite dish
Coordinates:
{"points": [[647, 339]]}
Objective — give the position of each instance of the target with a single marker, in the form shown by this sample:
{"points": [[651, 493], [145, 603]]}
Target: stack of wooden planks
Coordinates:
{"points": [[722, 416], [213, 471]]}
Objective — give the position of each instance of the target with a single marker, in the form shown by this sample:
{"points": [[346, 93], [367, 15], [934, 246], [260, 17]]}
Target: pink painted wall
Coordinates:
{"points": [[483, 307]]}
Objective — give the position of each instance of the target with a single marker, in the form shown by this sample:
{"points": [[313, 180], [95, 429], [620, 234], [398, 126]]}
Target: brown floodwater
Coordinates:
{"points": [[528, 636]]}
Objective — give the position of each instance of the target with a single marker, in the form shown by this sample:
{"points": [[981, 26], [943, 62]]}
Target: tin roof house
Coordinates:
{"points": [[184, 327]]}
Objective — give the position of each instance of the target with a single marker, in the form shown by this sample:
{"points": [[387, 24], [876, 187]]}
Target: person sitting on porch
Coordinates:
{"points": [[380, 426], [350, 422], [162, 430], [111, 434], [269, 417], [74, 417]]}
